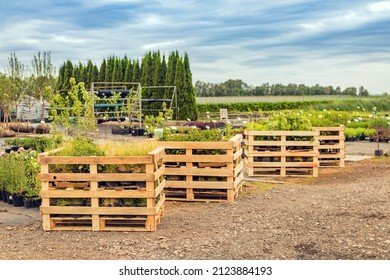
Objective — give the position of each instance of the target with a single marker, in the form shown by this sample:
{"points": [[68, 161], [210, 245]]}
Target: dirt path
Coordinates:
{"points": [[343, 214]]}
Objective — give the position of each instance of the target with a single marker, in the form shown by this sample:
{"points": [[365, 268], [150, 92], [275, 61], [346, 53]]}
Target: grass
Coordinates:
{"points": [[127, 148]]}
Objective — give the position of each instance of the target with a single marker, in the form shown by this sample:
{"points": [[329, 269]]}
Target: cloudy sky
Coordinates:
{"points": [[335, 42]]}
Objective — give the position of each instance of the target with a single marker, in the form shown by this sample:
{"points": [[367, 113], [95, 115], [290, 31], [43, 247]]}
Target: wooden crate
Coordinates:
{"points": [[203, 171], [94, 188], [281, 153], [332, 146]]}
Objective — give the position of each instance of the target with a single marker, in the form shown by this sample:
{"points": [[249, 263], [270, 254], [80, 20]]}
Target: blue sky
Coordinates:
{"points": [[337, 42]]}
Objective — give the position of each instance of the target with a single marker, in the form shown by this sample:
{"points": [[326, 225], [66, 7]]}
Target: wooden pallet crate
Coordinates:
{"points": [[281, 153], [104, 199], [203, 171], [332, 146]]}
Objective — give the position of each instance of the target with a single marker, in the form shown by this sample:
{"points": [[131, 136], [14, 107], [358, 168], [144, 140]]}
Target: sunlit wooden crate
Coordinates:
{"points": [[332, 146], [95, 186], [281, 153], [203, 171]]}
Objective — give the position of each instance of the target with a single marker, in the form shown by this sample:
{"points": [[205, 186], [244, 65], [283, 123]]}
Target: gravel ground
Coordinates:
{"points": [[343, 214]]}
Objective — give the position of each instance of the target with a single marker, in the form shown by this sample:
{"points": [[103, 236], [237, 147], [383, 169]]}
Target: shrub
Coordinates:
{"points": [[42, 129], [283, 122], [21, 127]]}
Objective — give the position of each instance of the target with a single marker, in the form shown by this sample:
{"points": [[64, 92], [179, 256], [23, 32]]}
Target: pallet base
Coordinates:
{"points": [[106, 222], [198, 194]]}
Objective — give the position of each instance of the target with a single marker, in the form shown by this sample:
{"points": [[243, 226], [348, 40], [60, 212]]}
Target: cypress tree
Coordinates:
{"points": [[60, 78], [102, 72], [109, 69], [180, 78], [128, 72], [67, 75], [189, 89], [136, 72]]}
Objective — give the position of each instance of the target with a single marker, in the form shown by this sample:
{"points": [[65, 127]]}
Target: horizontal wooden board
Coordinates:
{"points": [[96, 194], [283, 164], [283, 154], [283, 143], [102, 177], [81, 210], [220, 172], [198, 158], [196, 145], [95, 160], [199, 184]]}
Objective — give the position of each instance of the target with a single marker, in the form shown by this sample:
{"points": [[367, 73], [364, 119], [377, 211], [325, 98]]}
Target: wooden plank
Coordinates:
{"points": [[237, 154], [197, 158], [199, 184], [284, 164], [160, 188], [157, 154], [287, 153], [97, 210], [236, 140], [212, 164], [219, 172], [108, 177], [96, 194], [157, 174], [238, 168], [95, 160], [195, 145]]}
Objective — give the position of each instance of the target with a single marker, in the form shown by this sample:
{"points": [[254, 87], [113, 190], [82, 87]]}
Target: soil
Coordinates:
{"points": [[342, 214]]}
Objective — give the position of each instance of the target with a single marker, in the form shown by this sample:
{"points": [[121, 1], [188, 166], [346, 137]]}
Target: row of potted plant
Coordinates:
{"points": [[19, 169], [18, 178]]}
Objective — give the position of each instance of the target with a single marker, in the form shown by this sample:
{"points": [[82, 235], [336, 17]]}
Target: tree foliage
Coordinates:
{"points": [[153, 69], [240, 88]]}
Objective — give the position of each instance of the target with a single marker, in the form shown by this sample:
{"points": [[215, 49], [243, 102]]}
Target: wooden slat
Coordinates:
{"points": [[95, 194], [197, 158], [102, 177], [97, 210], [95, 160], [195, 145], [283, 164], [218, 172], [236, 140], [199, 184]]}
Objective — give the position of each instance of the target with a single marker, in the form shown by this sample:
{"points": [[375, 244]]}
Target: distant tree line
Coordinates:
{"points": [[240, 88], [152, 70]]}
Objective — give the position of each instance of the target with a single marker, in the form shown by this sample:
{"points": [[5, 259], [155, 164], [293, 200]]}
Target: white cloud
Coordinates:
{"points": [[379, 7]]}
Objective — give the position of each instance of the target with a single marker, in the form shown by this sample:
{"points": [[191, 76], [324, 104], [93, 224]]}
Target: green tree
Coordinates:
{"points": [[102, 71], [7, 89], [190, 100], [74, 110], [19, 79], [43, 73]]}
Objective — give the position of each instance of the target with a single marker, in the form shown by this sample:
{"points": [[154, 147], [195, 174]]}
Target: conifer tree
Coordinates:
{"points": [[102, 71]]}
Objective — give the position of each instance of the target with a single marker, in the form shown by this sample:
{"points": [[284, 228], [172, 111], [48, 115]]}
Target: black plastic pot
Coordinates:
{"points": [[37, 201], [138, 132], [29, 202], [4, 195], [121, 130], [18, 200]]}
